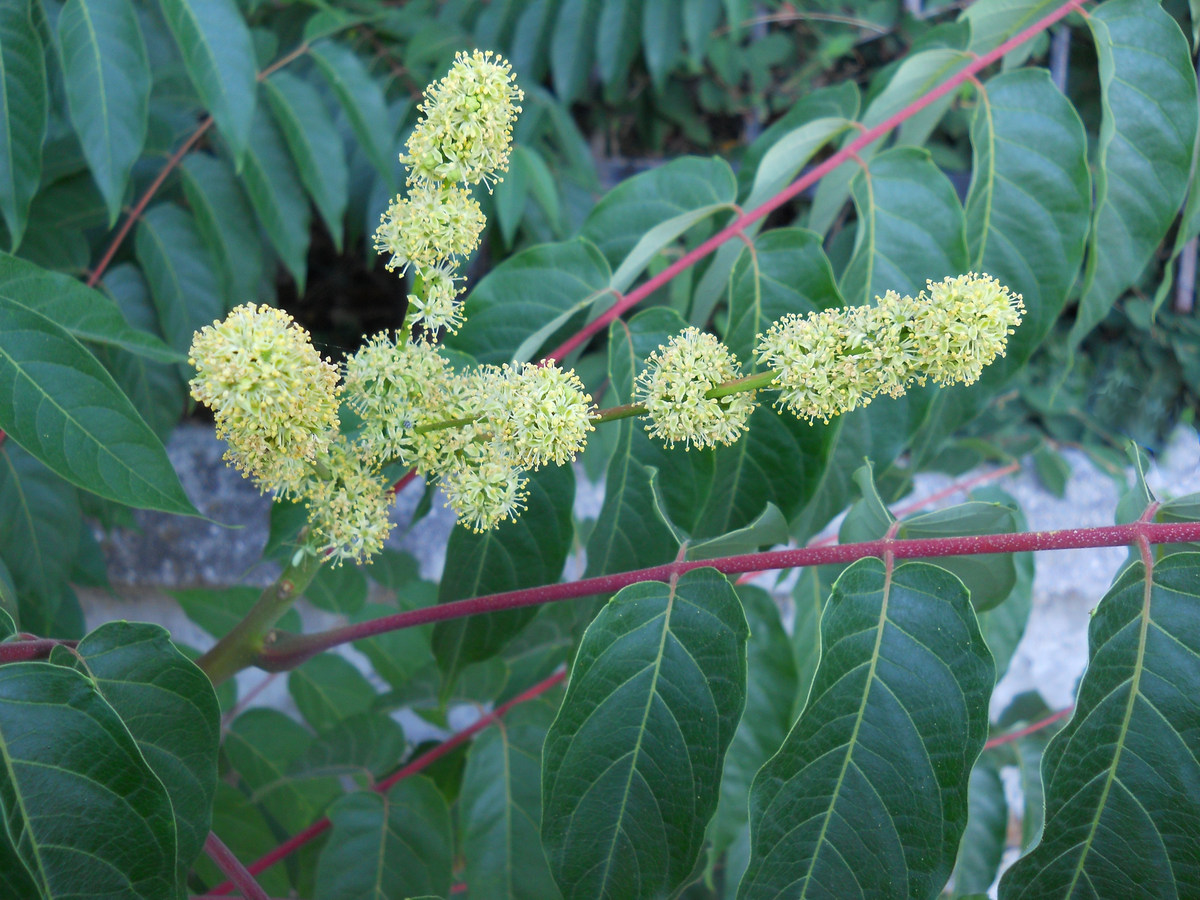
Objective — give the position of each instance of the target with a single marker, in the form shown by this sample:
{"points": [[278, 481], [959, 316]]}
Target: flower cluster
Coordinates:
{"points": [[463, 137]]}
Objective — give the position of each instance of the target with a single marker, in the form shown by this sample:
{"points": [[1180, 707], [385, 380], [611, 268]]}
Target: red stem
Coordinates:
{"points": [[1028, 729], [231, 866], [421, 762], [35, 648], [290, 651], [812, 177]]}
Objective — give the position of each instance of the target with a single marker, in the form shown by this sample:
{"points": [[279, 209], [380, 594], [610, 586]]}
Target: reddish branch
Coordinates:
{"points": [[229, 864], [1028, 729], [33, 648], [290, 651], [801, 184], [421, 762]]}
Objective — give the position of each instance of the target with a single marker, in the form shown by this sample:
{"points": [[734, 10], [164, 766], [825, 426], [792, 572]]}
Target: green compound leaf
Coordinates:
{"points": [[60, 404], [525, 553], [40, 524], [218, 54], [1121, 777], [170, 709], [550, 283], [315, 145], [327, 689], [23, 99], [226, 223], [107, 76], [910, 227], [867, 797], [67, 758], [362, 100], [180, 273], [271, 180], [1148, 93], [643, 214], [398, 844], [632, 764], [500, 808], [572, 46], [86, 313]]}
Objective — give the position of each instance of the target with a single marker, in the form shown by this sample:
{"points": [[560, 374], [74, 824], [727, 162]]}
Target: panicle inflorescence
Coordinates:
{"points": [[272, 395], [349, 510], [466, 131], [434, 225], [674, 387]]}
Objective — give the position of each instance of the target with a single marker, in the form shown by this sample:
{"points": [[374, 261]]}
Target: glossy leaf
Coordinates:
{"points": [[40, 523], [23, 112], [180, 273], [362, 100], [218, 54], [169, 708], [990, 577], [902, 687], [984, 840], [85, 313], [277, 196], [1148, 96], [500, 807], [315, 145], [525, 553], [107, 76], [632, 763], [910, 227], [771, 685], [59, 403], [92, 768], [1121, 777], [569, 277], [397, 844], [226, 223]]}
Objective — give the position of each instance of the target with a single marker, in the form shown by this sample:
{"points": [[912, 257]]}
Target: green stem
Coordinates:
{"points": [[239, 649]]}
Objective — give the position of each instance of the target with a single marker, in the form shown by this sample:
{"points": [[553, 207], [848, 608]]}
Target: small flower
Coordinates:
{"points": [[673, 386], [484, 487], [433, 225], [826, 361], [963, 325], [438, 308], [392, 385], [273, 396], [466, 131], [350, 511], [546, 414]]}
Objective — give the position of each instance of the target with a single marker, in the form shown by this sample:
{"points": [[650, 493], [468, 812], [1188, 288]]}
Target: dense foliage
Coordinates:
{"points": [[164, 163]]}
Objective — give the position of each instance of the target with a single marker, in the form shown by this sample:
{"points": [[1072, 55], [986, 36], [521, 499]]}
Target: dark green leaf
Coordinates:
{"points": [[219, 56], [271, 180], [662, 37], [246, 832], [180, 272], [23, 107], [902, 690], [398, 844], [340, 590], [771, 686], [396, 655], [369, 744], [226, 223], [87, 314], [69, 760], [59, 403], [327, 689], [1148, 92], [1120, 777], [107, 76], [984, 840], [315, 145], [500, 807], [632, 763], [363, 102], [616, 46], [1053, 471], [569, 277], [990, 577], [572, 45], [170, 709], [525, 553]]}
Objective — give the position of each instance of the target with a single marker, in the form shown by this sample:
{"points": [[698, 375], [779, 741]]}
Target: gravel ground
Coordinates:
{"points": [[172, 552]]}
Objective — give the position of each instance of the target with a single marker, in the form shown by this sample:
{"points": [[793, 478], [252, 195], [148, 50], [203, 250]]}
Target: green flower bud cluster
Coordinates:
{"points": [[463, 137]]}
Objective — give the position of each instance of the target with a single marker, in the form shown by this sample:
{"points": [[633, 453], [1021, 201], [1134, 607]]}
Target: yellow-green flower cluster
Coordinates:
{"points": [[674, 386], [963, 325], [273, 397], [275, 401], [463, 137]]}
